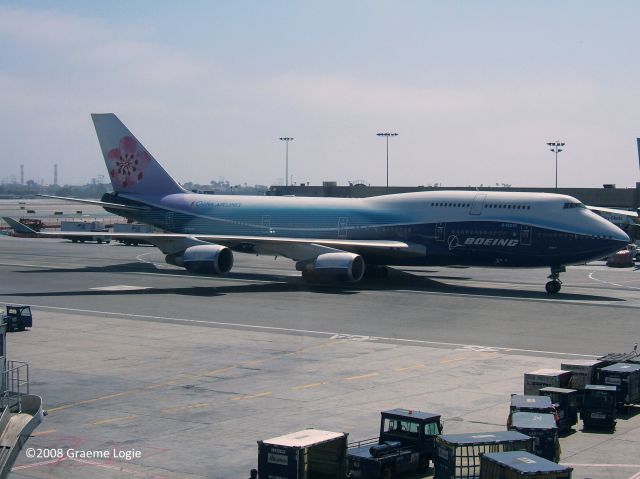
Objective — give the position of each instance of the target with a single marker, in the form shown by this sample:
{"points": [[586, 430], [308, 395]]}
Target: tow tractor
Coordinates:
{"points": [[18, 317], [406, 443]]}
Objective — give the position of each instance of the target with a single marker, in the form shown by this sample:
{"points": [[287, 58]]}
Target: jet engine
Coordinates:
{"points": [[333, 267], [203, 259]]}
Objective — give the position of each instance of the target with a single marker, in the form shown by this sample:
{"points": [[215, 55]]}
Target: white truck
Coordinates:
{"points": [[84, 226], [131, 228]]}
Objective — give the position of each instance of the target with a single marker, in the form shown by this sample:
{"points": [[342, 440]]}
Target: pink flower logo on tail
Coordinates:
{"points": [[127, 163]]}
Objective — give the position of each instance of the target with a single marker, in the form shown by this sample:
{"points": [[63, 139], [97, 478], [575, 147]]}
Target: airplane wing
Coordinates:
{"points": [[116, 206], [294, 248], [615, 211]]}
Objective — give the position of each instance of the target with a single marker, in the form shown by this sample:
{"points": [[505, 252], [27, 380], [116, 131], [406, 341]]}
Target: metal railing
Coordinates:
{"points": [[15, 384]]}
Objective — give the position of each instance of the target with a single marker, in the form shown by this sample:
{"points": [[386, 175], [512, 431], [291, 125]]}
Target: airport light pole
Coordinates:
{"points": [[387, 135], [555, 147], [286, 139]]}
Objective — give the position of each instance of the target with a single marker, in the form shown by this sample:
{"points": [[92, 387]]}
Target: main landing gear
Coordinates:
{"points": [[555, 284]]}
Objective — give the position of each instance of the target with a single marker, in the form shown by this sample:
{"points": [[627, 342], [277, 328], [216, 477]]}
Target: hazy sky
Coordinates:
{"points": [[475, 89]]}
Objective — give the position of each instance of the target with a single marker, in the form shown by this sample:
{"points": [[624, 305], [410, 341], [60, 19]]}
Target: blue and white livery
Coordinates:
{"points": [[342, 238]]}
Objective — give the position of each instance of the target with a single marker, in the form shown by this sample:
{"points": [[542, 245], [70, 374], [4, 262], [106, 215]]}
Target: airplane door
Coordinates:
{"points": [[478, 204], [525, 235], [342, 226], [266, 221], [440, 231]]}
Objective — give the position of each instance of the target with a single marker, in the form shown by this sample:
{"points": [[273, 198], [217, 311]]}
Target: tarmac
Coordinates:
{"points": [[178, 375]]}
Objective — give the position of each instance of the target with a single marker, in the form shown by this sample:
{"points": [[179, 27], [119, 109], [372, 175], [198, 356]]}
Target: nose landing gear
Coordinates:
{"points": [[555, 284]]}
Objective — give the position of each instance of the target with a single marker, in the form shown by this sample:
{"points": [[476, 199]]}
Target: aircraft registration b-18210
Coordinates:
{"points": [[339, 239]]}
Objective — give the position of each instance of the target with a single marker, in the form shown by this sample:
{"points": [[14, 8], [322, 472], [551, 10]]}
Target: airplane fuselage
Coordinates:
{"points": [[452, 227]]}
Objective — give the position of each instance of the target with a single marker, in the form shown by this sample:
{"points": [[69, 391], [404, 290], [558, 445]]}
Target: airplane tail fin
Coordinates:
{"points": [[131, 167]]}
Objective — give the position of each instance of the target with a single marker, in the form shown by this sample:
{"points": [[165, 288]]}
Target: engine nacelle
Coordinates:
{"points": [[203, 259], [334, 267]]}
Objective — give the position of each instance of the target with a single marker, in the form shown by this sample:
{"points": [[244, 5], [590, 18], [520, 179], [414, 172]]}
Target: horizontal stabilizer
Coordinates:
{"points": [[116, 206], [18, 227]]}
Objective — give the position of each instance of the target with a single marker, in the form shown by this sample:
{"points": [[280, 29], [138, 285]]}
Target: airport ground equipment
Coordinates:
{"points": [[518, 464], [583, 372], [458, 455], [543, 429], [406, 443], [613, 358], [132, 228], [599, 407], [306, 454], [565, 402], [20, 411], [18, 317], [84, 226], [35, 224], [542, 378], [527, 403], [626, 378]]}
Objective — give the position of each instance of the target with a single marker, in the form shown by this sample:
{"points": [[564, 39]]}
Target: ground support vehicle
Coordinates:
{"points": [[84, 226], [406, 443], [458, 455], [18, 317], [542, 378], [131, 228], [565, 402], [626, 378], [306, 454], [599, 407], [544, 431], [517, 464]]}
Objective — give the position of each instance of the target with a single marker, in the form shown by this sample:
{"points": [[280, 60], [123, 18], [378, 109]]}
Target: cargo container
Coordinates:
{"points": [[306, 454], [458, 455], [566, 404], [542, 378], [583, 372], [544, 431], [626, 378], [517, 464]]}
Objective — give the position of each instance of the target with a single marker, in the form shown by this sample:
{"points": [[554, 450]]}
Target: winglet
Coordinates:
{"points": [[18, 227]]}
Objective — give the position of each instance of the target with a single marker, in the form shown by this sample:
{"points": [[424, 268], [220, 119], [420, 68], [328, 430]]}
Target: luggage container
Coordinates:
{"points": [[544, 431], [526, 403], [307, 454], [583, 372], [565, 402], [542, 378], [516, 464], [599, 406], [458, 455], [626, 378]]}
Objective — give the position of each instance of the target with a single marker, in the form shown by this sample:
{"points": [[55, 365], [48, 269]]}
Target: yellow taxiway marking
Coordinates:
{"points": [[252, 396], [362, 376], [452, 360], [409, 368], [109, 421], [307, 386], [184, 408], [89, 401], [42, 433]]}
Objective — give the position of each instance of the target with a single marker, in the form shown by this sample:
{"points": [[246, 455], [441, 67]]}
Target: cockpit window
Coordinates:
{"points": [[573, 205]]}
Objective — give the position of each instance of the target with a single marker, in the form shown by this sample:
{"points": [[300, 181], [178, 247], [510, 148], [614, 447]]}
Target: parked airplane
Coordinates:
{"points": [[333, 239]]}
